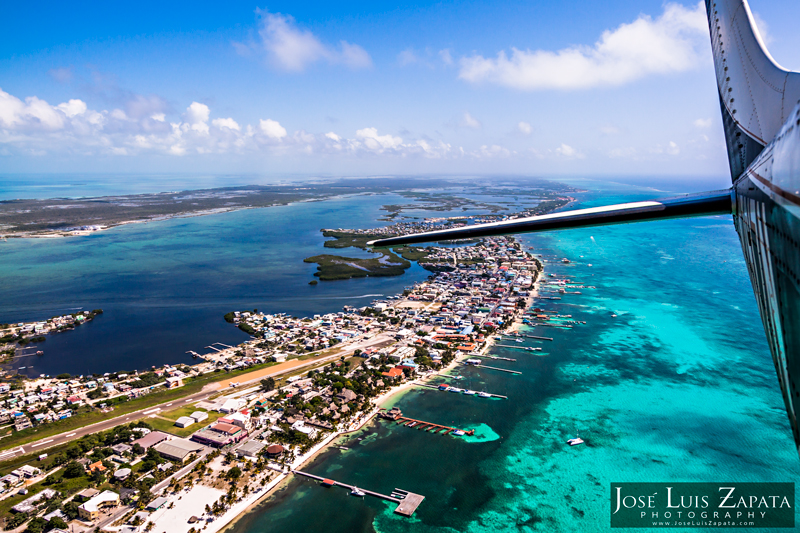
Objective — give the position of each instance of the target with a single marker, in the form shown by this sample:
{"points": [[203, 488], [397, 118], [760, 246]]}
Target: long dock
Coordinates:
{"points": [[495, 357], [437, 388], [529, 336], [494, 368], [525, 348], [407, 501], [427, 426]]}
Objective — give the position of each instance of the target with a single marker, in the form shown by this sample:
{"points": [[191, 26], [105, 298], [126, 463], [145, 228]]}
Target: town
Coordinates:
{"points": [[273, 402]]}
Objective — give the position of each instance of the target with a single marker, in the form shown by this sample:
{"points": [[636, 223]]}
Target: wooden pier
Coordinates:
{"points": [[495, 357], [437, 388], [428, 426], [524, 348], [529, 336], [407, 501], [494, 368]]}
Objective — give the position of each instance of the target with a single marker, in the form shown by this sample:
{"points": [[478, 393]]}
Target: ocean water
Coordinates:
{"points": [[678, 386], [165, 286]]}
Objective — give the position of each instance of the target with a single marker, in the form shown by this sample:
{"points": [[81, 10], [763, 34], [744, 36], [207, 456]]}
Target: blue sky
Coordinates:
{"points": [[356, 88]]}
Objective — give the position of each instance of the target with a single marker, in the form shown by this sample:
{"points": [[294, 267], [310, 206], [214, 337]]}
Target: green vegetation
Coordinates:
{"points": [[229, 317], [412, 253], [346, 239], [247, 328], [166, 421], [333, 267]]}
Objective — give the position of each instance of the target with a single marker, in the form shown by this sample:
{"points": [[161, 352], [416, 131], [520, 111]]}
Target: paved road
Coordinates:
{"points": [[209, 390]]}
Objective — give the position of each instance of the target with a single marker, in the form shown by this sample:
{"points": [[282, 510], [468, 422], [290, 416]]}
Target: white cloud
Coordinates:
{"points": [[197, 116], [703, 123], [468, 121], [378, 143], [293, 49], [568, 152], [227, 123], [673, 148], [524, 127], [674, 42], [158, 117], [272, 129], [332, 136], [72, 108]]}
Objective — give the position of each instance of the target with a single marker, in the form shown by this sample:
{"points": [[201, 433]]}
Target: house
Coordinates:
{"points": [[98, 466], [274, 450], [90, 510], [393, 373], [121, 448], [122, 474], [347, 395], [156, 504], [174, 382]]}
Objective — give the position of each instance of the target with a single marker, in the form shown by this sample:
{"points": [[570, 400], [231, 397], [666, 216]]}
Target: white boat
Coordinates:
{"points": [[469, 392], [455, 389], [484, 395], [357, 492], [458, 433], [577, 440]]}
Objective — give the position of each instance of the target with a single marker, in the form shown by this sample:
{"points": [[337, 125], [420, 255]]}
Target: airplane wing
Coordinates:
{"points": [[697, 204]]}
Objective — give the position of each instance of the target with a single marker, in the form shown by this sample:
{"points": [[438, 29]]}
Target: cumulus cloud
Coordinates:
{"points": [[293, 49], [34, 127], [568, 152], [226, 123], [272, 129], [673, 42], [703, 123], [524, 128], [468, 121]]}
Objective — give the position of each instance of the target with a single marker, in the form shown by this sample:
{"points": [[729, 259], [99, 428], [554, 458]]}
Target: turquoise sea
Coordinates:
{"points": [[678, 386]]}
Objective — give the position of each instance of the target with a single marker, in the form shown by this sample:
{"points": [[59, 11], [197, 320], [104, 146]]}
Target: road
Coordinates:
{"points": [[208, 391]]}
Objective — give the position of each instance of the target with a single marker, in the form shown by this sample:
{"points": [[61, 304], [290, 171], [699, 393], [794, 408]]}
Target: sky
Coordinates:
{"points": [[585, 88]]}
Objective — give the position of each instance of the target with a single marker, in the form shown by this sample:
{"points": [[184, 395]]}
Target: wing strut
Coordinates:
{"points": [[689, 205]]}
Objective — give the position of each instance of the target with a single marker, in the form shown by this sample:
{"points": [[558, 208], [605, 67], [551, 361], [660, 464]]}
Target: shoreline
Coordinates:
{"points": [[273, 486]]}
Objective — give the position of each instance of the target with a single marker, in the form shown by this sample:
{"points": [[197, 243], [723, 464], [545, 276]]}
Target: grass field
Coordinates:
{"points": [[166, 421]]}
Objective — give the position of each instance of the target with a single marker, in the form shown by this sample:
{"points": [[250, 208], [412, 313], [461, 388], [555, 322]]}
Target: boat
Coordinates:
{"points": [[520, 340], [455, 389], [484, 395], [458, 433], [357, 492], [469, 392], [577, 440], [412, 424]]}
